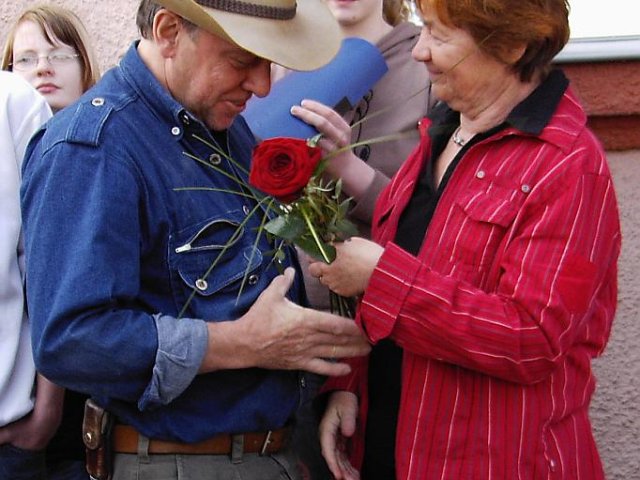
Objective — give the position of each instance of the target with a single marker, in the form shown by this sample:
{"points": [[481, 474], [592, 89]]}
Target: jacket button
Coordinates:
{"points": [[480, 174], [175, 131], [246, 209], [253, 279], [214, 159], [97, 102], [525, 188], [201, 284]]}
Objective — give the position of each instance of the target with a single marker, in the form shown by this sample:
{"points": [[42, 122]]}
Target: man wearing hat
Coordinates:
{"points": [[159, 299]]}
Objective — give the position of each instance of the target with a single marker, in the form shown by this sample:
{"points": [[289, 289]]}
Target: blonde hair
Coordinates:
{"points": [[395, 11], [58, 25]]}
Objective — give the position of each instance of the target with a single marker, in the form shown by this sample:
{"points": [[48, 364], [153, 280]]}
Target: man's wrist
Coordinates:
{"points": [[226, 348]]}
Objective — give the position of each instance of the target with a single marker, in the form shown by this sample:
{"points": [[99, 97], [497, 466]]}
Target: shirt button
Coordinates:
{"points": [[480, 174], [201, 284], [552, 465], [253, 279], [525, 188], [97, 102], [175, 131], [215, 159], [246, 210], [185, 119], [303, 382]]}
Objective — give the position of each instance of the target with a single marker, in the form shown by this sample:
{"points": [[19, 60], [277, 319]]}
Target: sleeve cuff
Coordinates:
{"points": [[181, 347], [386, 292]]}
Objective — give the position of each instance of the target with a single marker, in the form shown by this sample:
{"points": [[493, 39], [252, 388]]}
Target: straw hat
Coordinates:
{"points": [[300, 35]]}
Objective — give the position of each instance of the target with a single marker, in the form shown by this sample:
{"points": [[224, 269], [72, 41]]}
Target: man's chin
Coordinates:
{"points": [[220, 124]]}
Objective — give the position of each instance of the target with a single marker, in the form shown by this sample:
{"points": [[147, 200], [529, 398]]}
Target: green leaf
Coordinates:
{"points": [[346, 228], [338, 189], [310, 246], [288, 227]]}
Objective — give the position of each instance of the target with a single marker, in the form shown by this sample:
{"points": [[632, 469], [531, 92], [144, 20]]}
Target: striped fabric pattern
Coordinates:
{"points": [[511, 296]]}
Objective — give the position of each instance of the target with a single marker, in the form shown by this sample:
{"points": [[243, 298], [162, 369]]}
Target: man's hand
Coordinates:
{"points": [[338, 424], [278, 334], [34, 431]]}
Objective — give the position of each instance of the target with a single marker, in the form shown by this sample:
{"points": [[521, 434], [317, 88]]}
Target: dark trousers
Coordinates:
{"points": [[305, 441], [18, 464]]}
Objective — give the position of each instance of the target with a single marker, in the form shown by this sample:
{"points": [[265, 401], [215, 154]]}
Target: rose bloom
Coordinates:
{"points": [[281, 167]]}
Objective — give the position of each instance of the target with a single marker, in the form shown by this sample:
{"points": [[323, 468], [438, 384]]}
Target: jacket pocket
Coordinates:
{"points": [[479, 222], [213, 258]]}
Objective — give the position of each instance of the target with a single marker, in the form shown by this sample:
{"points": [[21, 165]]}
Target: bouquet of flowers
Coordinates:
{"points": [[311, 211], [298, 205]]}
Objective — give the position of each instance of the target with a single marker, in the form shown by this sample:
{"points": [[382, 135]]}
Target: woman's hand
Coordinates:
{"points": [[338, 424], [336, 132], [349, 273], [342, 163]]}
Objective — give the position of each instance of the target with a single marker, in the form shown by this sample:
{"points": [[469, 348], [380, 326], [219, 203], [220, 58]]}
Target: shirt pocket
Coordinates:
{"points": [[478, 223], [213, 258]]}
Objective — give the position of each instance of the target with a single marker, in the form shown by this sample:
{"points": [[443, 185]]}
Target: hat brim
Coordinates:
{"points": [[308, 41]]}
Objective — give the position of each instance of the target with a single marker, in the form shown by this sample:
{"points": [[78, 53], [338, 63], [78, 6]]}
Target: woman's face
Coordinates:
{"points": [[57, 74], [462, 75]]}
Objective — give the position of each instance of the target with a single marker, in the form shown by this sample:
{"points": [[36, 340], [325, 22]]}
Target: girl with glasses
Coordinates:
{"points": [[48, 46]]}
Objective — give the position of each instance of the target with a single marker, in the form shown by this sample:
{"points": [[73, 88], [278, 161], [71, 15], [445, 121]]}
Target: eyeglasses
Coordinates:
{"points": [[55, 59]]}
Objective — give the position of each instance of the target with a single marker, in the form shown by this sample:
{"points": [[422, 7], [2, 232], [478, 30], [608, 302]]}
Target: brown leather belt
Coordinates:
{"points": [[125, 440]]}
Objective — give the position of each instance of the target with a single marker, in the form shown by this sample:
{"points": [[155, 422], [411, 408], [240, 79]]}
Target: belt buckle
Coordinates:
{"points": [[265, 444]]}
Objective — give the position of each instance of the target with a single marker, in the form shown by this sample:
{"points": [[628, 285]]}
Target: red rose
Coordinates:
{"points": [[281, 167]]}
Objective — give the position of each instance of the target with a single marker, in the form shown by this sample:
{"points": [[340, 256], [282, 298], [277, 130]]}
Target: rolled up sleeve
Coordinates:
{"points": [[181, 348]]}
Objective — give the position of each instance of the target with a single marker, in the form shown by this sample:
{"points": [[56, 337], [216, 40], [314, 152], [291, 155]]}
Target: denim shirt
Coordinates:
{"points": [[115, 250]]}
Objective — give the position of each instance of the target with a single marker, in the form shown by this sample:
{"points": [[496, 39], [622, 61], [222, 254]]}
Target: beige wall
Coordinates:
{"points": [[111, 23], [615, 410], [616, 407]]}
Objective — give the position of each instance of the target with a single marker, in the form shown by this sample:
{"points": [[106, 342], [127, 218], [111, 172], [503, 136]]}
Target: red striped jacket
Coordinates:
{"points": [[510, 297]]}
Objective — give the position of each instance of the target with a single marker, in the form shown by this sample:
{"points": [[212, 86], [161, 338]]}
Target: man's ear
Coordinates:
{"points": [[166, 27]]}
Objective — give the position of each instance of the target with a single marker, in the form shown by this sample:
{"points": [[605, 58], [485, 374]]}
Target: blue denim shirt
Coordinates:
{"points": [[114, 252]]}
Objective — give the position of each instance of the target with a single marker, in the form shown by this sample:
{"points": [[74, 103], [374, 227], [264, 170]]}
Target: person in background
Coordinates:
{"points": [[49, 47], [493, 265], [28, 416], [395, 105], [136, 291]]}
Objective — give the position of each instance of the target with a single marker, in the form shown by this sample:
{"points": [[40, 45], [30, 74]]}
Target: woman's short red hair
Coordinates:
{"points": [[499, 26]]}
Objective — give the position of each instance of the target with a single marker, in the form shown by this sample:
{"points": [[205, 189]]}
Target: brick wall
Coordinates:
{"points": [[610, 92]]}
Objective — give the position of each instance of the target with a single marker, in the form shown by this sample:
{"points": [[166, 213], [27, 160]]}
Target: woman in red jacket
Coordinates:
{"points": [[490, 283]]}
